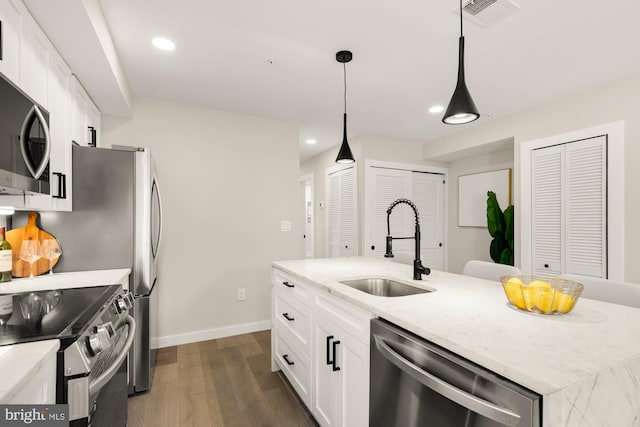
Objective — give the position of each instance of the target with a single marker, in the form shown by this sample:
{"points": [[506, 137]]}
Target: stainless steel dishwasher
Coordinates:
{"points": [[417, 383]]}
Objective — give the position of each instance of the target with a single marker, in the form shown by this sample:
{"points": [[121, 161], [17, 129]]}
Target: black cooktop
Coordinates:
{"points": [[64, 314]]}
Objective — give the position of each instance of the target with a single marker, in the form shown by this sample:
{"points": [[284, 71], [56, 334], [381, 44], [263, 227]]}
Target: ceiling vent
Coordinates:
{"points": [[487, 13]]}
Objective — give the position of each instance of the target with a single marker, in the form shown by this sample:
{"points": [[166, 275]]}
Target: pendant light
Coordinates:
{"points": [[461, 108], [344, 155]]}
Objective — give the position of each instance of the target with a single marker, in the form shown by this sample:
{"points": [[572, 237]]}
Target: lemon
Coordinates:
{"points": [[545, 301], [513, 289], [565, 302]]}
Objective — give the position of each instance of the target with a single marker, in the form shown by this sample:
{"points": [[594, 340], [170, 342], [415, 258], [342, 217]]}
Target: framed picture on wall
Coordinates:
{"points": [[472, 195]]}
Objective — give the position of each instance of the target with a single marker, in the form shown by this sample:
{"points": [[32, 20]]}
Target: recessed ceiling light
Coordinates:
{"points": [[163, 44], [311, 141], [436, 109]]}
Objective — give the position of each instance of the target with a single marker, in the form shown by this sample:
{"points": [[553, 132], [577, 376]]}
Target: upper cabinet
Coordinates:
{"points": [[12, 15], [31, 62], [35, 53]]}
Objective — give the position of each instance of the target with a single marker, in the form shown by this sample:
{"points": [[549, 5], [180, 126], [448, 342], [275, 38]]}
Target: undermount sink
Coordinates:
{"points": [[384, 287]]}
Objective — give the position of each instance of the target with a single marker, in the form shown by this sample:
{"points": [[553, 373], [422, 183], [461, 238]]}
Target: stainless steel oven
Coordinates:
{"points": [[95, 332], [25, 143], [417, 383]]}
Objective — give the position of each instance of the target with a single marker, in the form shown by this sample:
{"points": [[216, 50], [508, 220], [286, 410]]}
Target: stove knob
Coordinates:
{"points": [[94, 344], [104, 330], [121, 305]]}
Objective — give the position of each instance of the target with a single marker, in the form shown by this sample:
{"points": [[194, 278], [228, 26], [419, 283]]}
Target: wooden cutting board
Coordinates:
{"points": [[28, 232]]}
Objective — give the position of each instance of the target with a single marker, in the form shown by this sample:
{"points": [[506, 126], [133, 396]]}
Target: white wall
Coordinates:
{"points": [[227, 181], [612, 102], [467, 243], [363, 147]]}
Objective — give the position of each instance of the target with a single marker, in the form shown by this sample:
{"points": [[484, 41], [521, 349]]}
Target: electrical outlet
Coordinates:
{"points": [[242, 295]]}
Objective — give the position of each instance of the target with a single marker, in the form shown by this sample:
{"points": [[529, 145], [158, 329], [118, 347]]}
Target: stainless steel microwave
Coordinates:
{"points": [[25, 143]]}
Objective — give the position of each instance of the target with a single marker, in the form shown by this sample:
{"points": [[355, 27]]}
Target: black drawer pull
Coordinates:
{"points": [[288, 285], [334, 362], [329, 338], [546, 266], [286, 359], [286, 316]]}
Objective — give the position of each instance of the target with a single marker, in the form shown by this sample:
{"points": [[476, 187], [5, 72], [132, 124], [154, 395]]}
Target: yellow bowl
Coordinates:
{"points": [[541, 294]]}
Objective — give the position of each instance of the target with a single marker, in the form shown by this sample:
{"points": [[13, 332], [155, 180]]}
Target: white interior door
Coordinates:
{"points": [[388, 186], [307, 217], [341, 212], [569, 208], [426, 191], [428, 196]]}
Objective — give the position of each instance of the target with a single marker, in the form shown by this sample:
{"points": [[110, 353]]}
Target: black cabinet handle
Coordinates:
{"points": [[329, 338], [546, 266], [93, 136], [373, 248], [440, 244], [334, 361], [286, 359], [286, 316], [62, 185], [288, 285]]}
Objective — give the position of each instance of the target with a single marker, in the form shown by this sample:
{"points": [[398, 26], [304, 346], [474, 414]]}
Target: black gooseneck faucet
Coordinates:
{"points": [[418, 268]]}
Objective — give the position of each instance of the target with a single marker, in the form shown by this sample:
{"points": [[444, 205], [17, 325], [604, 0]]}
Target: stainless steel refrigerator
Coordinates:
{"points": [[116, 222]]}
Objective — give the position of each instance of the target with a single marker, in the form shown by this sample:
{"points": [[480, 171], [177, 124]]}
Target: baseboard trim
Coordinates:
{"points": [[210, 334]]}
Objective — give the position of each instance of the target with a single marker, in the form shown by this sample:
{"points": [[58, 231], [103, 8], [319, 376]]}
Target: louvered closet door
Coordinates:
{"points": [[389, 185], [347, 214], [428, 195], [341, 213], [586, 201], [546, 210]]}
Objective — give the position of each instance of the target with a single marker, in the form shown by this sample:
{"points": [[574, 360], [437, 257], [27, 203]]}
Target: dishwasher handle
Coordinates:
{"points": [[461, 397]]}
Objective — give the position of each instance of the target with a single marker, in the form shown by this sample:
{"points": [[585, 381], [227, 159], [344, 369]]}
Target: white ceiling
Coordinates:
{"points": [[405, 58]]}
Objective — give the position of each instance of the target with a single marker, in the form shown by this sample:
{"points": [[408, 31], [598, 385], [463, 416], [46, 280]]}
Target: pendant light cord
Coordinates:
{"points": [[344, 67], [461, 18]]}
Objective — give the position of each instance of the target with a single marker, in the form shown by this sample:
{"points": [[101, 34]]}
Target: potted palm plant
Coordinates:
{"points": [[500, 225]]}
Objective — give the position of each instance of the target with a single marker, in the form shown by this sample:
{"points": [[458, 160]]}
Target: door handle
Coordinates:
{"points": [[451, 392], [286, 316], [288, 285], [286, 359]]}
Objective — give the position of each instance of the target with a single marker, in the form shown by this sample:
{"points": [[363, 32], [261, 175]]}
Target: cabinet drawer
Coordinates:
{"points": [[291, 286], [295, 319], [295, 366], [351, 319]]}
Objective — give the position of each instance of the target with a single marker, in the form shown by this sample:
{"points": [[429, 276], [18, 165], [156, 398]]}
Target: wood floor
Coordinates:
{"points": [[223, 382]]}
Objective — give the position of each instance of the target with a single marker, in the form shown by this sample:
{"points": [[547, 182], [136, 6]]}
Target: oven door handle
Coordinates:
{"points": [[461, 397], [97, 384]]}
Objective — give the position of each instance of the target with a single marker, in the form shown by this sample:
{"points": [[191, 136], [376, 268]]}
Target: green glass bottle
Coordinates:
{"points": [[6, 258]]}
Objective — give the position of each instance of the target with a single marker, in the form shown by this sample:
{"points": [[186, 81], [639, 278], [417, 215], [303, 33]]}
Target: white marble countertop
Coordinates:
{"points": [[76, 279], [20, 362], [471, 317]]}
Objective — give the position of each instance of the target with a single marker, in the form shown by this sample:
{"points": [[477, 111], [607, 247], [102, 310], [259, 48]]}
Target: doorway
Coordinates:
{"points": [[307, 244]]}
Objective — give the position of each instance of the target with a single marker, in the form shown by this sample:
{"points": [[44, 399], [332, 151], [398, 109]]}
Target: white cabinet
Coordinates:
{"points": [[12, 15], [60, 161], [340, 363], [40, 389], [93, 124], [321, 344], [32, 63], [35, 53]]}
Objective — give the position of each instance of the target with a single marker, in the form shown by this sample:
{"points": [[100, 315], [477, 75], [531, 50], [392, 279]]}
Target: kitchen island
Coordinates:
{"points": [[585, 364]]}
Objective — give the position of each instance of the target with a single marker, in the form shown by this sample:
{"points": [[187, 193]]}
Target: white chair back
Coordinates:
{"points": [[489, 270], [607, 290]]}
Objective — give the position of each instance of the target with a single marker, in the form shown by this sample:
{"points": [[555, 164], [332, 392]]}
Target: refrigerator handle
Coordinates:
{"points": [[155, 183]]}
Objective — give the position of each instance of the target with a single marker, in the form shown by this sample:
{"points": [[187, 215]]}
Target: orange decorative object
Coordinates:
{"points": [[28, 232]]}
